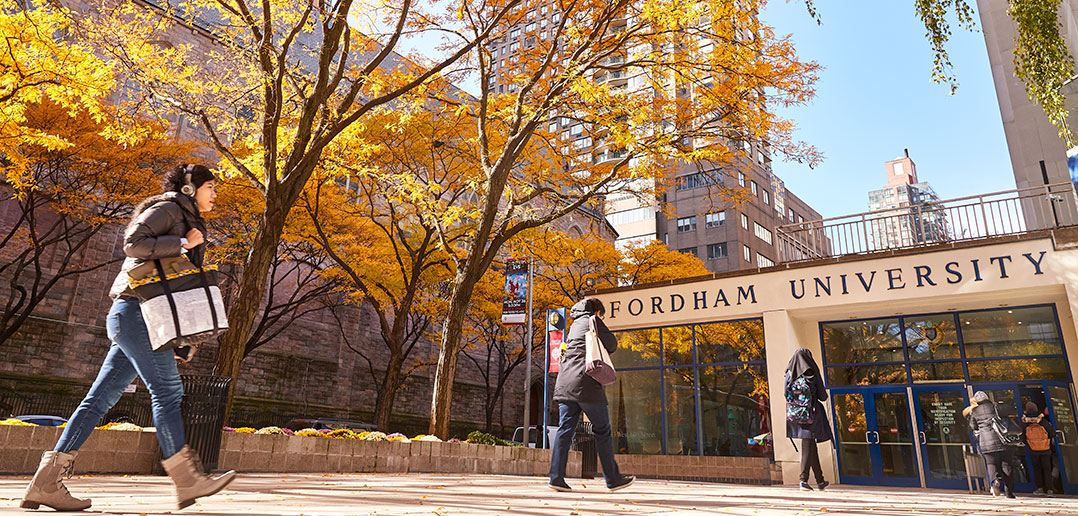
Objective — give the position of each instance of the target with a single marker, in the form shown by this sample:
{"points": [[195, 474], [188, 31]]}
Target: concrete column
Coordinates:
{"points": [[783, 335]]}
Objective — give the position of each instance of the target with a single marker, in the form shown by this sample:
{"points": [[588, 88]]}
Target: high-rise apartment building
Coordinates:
{"points": [[905, 208]]}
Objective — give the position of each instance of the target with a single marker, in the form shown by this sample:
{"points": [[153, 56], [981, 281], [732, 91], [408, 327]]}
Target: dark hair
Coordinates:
{"points": [[594, 306], [176, 178]]}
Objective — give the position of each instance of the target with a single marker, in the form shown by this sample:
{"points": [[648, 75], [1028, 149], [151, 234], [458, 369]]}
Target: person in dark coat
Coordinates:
{"points": [[576, 392], [163, 226], [998, 457], [1043, 471], [819, 431]]}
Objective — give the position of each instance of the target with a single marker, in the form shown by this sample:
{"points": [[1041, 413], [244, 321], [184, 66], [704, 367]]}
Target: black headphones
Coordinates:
{"points": [[188, 187]]}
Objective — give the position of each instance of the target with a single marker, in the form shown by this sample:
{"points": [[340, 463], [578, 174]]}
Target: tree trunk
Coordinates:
{"points": [[244, 309], [388, 391], [445, 373]]}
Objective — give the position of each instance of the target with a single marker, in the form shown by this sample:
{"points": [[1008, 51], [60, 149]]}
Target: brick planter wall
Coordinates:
{"points": [[106, 451], [293, 454], [136, 453]]}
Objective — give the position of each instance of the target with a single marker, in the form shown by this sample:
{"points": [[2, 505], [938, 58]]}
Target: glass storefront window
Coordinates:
{"points": [[680, 411], [866, 341], [926, 372], [866, 374], [636, 412], [1010, 332], [636, 348], [677, 345], [931, 337], [735, 341], [733, 407], [1047, 368]]}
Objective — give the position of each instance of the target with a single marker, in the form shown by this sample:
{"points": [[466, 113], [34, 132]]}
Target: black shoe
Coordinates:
{"points": [[822, 485], [561, 487], [625, 481], [805, 486], [1010, 494]]}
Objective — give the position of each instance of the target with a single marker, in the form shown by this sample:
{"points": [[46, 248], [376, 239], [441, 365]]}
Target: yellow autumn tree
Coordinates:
{"points": [[68, 198], [272, 85], [599, 98]]}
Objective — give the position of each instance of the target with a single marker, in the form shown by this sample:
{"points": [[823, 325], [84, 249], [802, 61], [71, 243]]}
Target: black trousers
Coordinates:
{"points": [[1000, 469], [810, 459], [1043, 474]]}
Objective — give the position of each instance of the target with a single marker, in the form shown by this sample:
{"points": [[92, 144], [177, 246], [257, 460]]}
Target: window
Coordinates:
{"points": [[744, 221], [714, 220], [747, 253], [741, 179], [630, 216], [800, 219], [694, 180], [716, 251], [767, 197], [529, 27], [792, 215], [755, 190], [762, 233], [688, 250], [576, 130], [515, 34], [763, 261], [686, 224], [513, 47]]}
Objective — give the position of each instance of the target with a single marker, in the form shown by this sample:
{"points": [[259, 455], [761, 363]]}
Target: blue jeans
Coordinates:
{"points": [[569, 414], [129, 356]]}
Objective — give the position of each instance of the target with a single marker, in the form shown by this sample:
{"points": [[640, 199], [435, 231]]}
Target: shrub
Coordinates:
{"points": [[453, 440], [431, 438], [310, 432], [228, 429], [325, 430], [376, 436], [342, 433], [287, 431], [362, 435], [478, 437], [245, 430], [130, 427], [270, 430], [15, 422]]}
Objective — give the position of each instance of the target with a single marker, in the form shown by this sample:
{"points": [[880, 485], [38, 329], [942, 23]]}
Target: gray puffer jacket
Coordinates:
{"points": [[573, 382], [155, 231]]}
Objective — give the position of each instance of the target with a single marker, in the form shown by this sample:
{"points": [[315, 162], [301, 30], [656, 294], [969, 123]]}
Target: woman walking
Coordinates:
{"points": [[577, 392], [997, 455], [163, 226], [806, 418]]}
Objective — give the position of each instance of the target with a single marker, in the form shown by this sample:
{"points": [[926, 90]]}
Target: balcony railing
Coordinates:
{"points": [[1010, 212]]}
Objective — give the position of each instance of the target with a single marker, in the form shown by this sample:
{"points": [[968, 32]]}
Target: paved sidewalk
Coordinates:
{"points": [[429, 494]]}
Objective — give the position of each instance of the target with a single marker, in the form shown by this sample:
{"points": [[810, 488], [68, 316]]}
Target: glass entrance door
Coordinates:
{"points": [[875, 437], [1061, 407], [942, 431]]}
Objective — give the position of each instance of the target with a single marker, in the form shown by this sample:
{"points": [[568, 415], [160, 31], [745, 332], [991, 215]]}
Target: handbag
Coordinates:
{"points": [[1006, 430], [180, 302], [597, 363]]}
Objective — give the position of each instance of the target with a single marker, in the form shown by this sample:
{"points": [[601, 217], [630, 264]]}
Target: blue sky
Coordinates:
{"points": [[875, 97]]}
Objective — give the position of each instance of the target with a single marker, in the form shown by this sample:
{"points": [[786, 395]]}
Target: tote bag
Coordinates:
{"points": [[180, 302], [596, 359]]}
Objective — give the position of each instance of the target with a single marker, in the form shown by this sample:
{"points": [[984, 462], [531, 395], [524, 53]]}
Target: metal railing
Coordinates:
{"points": [[1010, 212]]}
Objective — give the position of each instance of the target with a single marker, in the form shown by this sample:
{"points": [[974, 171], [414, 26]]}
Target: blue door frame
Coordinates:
{"points": [[941, 438], [875, 443]]}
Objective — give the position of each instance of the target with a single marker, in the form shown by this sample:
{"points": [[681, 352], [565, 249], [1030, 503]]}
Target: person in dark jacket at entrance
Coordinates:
{"points": [[576, 392], [819, 431], [998, 457], [1039, 443]]}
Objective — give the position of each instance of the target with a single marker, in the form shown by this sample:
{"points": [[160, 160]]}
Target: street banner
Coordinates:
{"points": [[555, 351], [515, 303]]}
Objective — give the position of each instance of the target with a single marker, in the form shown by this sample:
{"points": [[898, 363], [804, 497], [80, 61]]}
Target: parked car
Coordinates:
{"points": [[335, 424], [533, 436], [42, 420]]}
